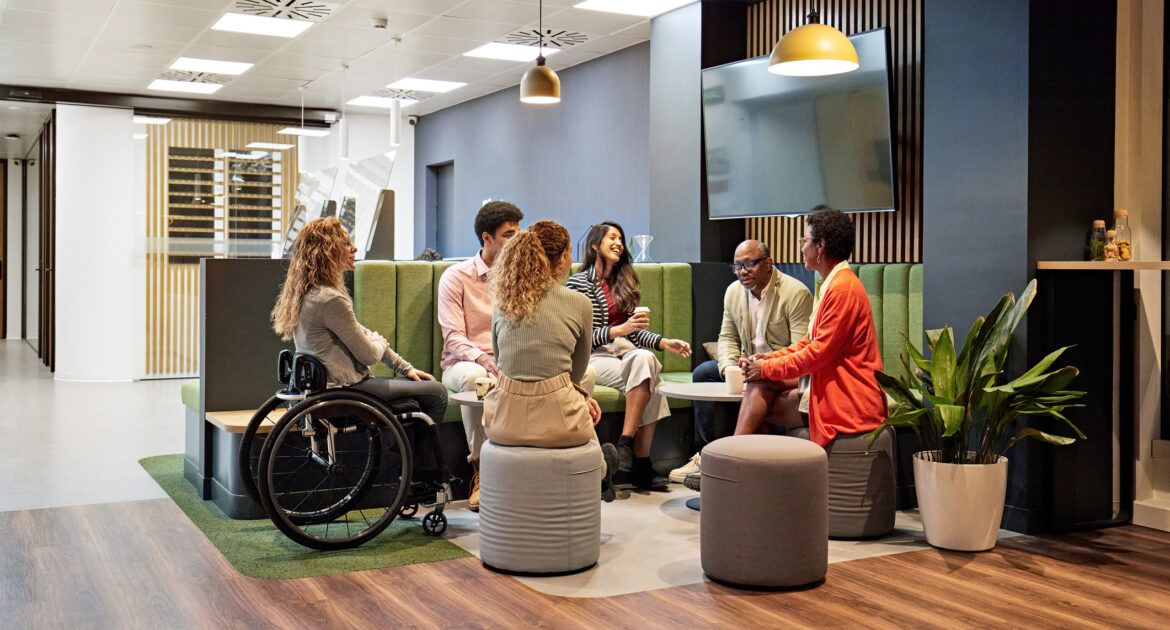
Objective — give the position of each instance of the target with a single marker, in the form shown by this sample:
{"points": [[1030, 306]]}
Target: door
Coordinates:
{"points": [[446, 230], [30, 323]]}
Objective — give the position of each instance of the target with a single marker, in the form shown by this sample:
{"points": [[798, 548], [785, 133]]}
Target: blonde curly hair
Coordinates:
{"points": [[319, 258], [523, 273]]}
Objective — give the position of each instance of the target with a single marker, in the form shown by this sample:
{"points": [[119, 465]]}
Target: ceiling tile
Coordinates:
{"points": [[496, 11], [590, 21], [422, 7], [359, 17], [52, 21], [326, 35], [133, 45], [89, 69], [207, 5], [444, 45], [484, 66], [91, 8], [221, 53], [304, 62], [442, 73], [229, 39], [389, 60], [44, 37], [336, 48], [148, 30], [300, 75], [465, 29], [165, 15], [20, 50], [250, 81]]}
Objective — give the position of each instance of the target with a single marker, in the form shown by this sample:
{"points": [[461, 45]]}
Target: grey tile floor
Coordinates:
{"points": [[79, 443]]}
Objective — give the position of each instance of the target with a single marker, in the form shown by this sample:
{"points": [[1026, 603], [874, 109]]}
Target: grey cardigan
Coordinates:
{"points": [[328, 329]]}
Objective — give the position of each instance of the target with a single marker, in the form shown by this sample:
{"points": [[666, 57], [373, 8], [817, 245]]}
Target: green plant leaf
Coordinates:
{"points": [[916, 356], [1058, 440], [951, 417], [898, 390], [942, 364], [932, 337]]}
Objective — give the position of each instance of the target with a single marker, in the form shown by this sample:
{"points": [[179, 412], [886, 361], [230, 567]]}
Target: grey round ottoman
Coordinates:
{"points": [[765, 511], [539, 508], [861, 484]]}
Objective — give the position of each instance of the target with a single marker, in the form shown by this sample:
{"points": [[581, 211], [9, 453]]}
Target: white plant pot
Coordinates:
{"points": [[961, 504]]}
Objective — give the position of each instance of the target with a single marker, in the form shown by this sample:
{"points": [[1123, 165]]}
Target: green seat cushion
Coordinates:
{"points": [[895, 317], [609, 399], [190, 394]]}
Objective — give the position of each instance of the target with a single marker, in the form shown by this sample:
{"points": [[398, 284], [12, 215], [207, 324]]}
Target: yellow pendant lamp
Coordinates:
{"points": [[540, 85], [813, 50]]}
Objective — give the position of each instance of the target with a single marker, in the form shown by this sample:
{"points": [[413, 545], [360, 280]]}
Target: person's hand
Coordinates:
{"points": [[753, 371], [636, 322], [744, 360], [418, 375], [489, 364], [677, 346], [594, 410]]}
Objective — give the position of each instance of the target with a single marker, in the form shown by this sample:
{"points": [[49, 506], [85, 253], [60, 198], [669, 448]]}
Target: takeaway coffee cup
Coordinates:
{"points": [[642, 309], [734, 377], [483, 385]]}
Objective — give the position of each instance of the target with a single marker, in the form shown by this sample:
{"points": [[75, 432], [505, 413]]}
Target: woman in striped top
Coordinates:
{"points": [[622, 345]]}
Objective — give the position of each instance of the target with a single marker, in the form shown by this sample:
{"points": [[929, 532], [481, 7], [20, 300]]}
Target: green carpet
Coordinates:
{"points": [[257, 549]]}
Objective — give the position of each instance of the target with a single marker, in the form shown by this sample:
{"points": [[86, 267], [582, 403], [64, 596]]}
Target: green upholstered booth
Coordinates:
{"points": [[397, 299]]}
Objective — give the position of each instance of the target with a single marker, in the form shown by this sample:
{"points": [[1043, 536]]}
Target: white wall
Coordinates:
{"points": [[96, 270], [13, 277], [369, 135]]}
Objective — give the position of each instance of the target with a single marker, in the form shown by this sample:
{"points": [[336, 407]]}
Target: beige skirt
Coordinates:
{"points": [[548, 414]]}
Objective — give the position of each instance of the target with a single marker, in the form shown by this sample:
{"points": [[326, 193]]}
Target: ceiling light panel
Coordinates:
{"points": [[304, 131], [271, 146], [210, 65], [169, 85], [150, 120], [642, 8], [510, 52], [425, 85], [256, 25]]}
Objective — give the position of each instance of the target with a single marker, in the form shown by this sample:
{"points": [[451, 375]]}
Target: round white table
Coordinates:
{"points": [[466, 398], [709, 392]]}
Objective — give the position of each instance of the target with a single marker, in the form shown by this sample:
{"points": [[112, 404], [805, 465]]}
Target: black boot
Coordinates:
{"points": [[609, 453], [644, 476], [625, 451]]}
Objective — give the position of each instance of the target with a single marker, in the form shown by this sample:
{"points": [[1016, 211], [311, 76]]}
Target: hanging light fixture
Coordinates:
{"points": [[540, 85], [343, 127], [812, 50], [396, 105]]}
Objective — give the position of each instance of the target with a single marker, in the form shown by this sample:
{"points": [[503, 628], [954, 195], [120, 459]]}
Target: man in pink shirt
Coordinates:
{"points": [[465, 315]]}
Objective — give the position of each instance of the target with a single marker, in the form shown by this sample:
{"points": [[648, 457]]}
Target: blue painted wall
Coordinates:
{"points": [[578, 162]]}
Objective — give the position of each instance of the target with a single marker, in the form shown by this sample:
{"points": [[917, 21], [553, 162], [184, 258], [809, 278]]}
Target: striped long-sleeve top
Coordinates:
{"points": [[587, 282]]}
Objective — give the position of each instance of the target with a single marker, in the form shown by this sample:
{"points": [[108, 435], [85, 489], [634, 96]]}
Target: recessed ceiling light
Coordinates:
{"points": [[258, 25], [510, 52], [643, 8], [140, 136], [378, 101], [425, 85], [166, 85], [11, 136], [271, 146], [210, 65], [304, 131], [151, 120]]}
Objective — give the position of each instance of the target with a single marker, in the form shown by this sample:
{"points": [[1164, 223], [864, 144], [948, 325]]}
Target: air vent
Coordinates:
{"points": [[306, 10], [552, 37], [195, 77], [403, 94]]}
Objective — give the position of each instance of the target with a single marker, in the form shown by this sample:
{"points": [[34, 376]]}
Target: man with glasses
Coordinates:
{"points": [[763, 311]]}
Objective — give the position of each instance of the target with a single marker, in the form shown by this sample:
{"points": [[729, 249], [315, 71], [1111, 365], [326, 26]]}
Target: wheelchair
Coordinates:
{"points": [[339, 465]]}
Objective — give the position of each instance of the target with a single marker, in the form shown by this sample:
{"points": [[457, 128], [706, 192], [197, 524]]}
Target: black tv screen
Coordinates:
{"points": [[779, 145]]}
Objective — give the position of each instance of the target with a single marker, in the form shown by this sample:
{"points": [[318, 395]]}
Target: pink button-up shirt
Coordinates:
{"points": [[465, 312]]}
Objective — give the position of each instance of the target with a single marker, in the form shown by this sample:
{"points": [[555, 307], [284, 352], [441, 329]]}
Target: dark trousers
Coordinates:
{"points": [[431, 397], [707, 427]]}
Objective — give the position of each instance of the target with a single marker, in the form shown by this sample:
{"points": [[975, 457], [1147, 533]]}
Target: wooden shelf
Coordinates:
{"points": [[1084, 265]]}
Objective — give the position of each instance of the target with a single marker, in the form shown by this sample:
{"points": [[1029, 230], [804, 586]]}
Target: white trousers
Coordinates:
{"points": [[629, 371]]}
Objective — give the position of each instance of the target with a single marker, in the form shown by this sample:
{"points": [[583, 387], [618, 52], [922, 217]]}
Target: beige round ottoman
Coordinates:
{"points": [[861, 484], [539, 508], [765, 516]]}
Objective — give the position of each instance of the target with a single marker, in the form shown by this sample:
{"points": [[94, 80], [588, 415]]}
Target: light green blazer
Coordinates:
{"points": [[788, 307]]}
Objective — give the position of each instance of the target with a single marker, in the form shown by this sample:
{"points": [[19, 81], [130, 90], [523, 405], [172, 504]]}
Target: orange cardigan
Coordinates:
{"points": [[841, 354]]}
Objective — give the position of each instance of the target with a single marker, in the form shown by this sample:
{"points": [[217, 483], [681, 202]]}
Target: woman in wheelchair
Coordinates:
{"points": [[314, 310], [542, 336]]}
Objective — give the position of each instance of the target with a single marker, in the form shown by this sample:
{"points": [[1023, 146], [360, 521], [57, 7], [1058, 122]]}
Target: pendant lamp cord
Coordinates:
{"points": [[540, 33], [814, 17]]}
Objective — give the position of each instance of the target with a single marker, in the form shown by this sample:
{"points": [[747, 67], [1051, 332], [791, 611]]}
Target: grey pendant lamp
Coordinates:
{"points": [[540, 85]]}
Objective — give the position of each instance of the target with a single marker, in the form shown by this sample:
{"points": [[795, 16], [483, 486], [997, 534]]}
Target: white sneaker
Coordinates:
{"points": [[692, 467]]}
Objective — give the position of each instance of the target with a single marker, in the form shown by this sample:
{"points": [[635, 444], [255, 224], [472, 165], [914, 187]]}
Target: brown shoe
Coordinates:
{"points": [[473, 498]]}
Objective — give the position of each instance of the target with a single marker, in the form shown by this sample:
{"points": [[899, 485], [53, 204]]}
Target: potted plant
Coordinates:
{"points": [[965, 419]]}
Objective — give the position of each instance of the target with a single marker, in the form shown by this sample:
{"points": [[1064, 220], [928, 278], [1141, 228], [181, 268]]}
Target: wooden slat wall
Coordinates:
{"points": [[881, 236], [172, 290]]}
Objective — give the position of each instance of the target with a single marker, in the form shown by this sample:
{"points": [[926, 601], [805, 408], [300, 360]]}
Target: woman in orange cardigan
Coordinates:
{"points": [[840, 352]]}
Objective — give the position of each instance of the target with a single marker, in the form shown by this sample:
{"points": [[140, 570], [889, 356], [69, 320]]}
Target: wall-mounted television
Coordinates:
{"points": [[778, 145]]}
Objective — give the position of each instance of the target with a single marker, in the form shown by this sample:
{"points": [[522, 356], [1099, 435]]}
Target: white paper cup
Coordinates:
{"points": [[483, 385], [733, 375], [641, 309]]}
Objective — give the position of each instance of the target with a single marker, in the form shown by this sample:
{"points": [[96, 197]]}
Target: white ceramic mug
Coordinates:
{"points": [[483, 385], [733, 375]]}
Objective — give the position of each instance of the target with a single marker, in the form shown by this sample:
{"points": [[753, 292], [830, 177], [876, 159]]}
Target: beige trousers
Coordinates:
{"points": [[631, 370], [546, 414]]}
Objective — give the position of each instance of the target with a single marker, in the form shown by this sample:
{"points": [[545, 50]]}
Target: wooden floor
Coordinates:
{"points": [[144, 565]]}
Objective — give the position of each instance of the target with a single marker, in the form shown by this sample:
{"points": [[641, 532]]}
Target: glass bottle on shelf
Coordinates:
{"points": [[1123, 237], [1111, 250], [1097, 242]]}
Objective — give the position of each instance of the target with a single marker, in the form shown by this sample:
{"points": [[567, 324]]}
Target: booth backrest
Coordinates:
{"points": [[397, 299], [895, 295]]}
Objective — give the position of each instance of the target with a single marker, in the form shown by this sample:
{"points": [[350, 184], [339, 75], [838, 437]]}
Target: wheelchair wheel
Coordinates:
{"points": [[252, 443], [435, 523], [408, 511], [335, 470]]}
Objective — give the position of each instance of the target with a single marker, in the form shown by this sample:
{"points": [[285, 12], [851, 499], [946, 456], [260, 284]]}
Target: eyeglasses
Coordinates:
{"points": [[747, 264]]}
